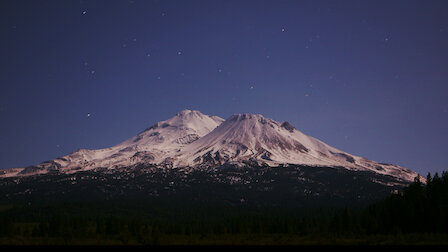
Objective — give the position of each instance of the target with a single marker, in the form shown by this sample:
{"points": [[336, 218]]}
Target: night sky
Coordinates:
{"points": [[367, 77]]}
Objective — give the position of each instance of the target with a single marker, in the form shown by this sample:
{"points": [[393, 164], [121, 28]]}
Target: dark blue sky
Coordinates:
{"points": [[367, 77]]}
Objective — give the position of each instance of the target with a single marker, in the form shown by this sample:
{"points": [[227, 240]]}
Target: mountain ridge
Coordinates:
{"points": [[192, 139]]}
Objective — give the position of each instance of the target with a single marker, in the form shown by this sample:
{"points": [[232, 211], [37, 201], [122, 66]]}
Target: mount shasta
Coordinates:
{"points": [[192, 140]]}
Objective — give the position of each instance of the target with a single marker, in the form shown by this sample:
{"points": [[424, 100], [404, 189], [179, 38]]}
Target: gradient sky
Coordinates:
{"points": [[367, 77]]}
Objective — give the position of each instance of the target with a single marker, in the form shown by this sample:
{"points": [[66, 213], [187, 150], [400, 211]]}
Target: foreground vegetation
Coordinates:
{"points": [[417, 215], [236, 239]]}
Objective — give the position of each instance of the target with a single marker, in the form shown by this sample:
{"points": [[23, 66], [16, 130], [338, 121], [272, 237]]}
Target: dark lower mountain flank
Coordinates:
{"points": [[251, 205], [283, 186]]}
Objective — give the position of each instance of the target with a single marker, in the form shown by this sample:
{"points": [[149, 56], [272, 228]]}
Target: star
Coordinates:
{"points": [[88, 114], [283, 29]]}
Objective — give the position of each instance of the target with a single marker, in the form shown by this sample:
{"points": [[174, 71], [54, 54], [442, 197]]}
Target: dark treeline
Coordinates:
{"points": [[421, 209]]}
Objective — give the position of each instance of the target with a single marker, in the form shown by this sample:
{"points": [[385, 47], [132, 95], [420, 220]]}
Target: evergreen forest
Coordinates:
{"points": [[416, 215]]}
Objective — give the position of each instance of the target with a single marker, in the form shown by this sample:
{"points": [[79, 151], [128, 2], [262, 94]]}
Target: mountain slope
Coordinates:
{"points": [[248, 137]]}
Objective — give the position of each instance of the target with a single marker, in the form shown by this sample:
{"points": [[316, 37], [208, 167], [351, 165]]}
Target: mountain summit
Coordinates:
{"points": [[192, 139]]}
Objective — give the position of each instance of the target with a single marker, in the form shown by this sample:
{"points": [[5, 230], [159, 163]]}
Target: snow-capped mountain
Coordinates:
{"points": [[252, 137], [192, 139], [156, 144]]}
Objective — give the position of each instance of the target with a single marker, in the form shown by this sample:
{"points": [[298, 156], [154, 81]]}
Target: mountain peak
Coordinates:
{"points": [[261, 119], [186, 112], [249, 136], [194, 119], [248, 118], [188, 122], [245, 116]]}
